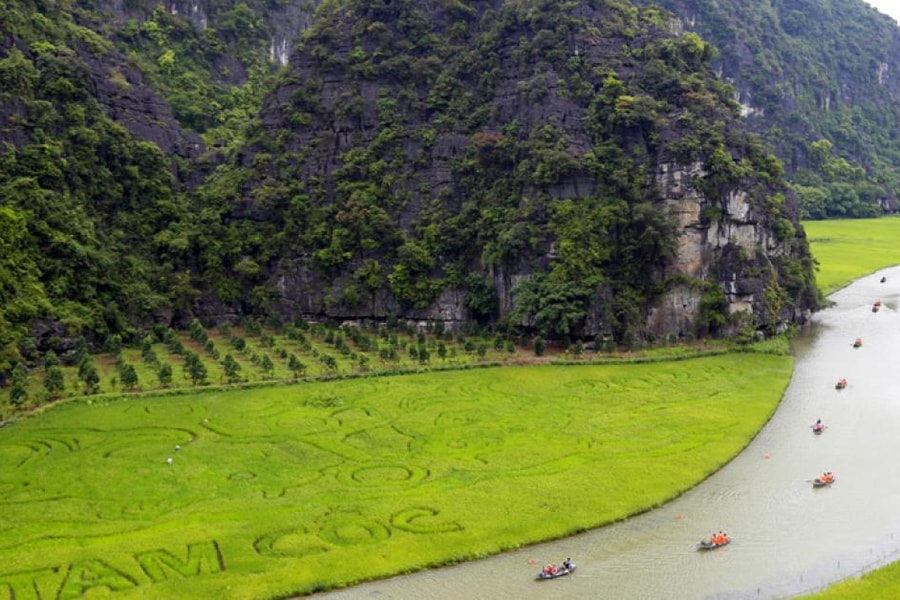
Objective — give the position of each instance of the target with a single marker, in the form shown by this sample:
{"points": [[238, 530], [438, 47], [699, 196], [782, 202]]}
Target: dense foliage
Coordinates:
{"points": [[498, 156], [84, 204], [95, 234], [389, 167], [212, 77], [819, 80]]}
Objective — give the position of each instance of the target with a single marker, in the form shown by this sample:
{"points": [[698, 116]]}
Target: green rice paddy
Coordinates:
{"points": [[882, 584], [849, 249], [256, 493]]}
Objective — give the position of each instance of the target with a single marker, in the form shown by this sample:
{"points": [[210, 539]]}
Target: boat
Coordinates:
{"points": [[841, 384], [560, 572], [820, 482], [711, 545], [857, 343], [818, 428]]}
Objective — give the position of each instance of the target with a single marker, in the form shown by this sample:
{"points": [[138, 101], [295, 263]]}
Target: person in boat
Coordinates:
{"points": [[567, 564], [883, 279]]}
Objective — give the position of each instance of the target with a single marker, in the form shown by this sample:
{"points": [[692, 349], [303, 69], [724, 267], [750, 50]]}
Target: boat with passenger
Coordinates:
{"points": [[552, 571], [825, 479], [717, 540]]}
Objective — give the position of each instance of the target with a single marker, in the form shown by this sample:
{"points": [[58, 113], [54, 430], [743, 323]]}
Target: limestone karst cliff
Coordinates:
{"points": [[579, 171]]}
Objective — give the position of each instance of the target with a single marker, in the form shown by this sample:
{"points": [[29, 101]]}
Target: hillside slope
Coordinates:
{"points": [[821, 82], [570, 167], [570, 170]]}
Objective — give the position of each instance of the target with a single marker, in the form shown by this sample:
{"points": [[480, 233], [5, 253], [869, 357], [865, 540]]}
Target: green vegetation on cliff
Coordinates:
{"points": [[819, 82], [391, 172], [497, 165], [84, 205]]}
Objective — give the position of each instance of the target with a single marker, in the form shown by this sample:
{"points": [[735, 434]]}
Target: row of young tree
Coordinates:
{"points": [[163, 358]]}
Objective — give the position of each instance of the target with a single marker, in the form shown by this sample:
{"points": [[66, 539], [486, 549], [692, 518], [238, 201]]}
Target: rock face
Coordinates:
{"points": [[125, 96], [732, 249], [130, 101], [283, 21], [571, 170], [438, 190]]}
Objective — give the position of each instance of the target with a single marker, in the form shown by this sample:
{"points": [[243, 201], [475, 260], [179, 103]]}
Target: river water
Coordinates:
{"points": [[788, 538]]}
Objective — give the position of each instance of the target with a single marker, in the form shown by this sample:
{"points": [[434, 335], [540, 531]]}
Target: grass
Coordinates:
{"points": [[849, 249], [382, 475], [312, 346], [881, 584]]}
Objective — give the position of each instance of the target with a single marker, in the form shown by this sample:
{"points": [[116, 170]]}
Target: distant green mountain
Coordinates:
{"points": [[820, 80]]}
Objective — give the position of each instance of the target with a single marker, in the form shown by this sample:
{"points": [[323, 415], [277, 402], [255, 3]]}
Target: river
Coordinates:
{"points": [[788, 538]]}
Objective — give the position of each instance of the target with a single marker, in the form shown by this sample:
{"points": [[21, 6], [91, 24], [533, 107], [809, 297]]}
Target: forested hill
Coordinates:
{"points": [[573, 167], [569, 169], [819, 79]]}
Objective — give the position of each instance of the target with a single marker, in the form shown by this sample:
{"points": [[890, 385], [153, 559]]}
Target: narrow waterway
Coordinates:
{"points": [[789, 538]]}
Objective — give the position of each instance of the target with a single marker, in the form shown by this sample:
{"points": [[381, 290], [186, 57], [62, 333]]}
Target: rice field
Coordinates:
{"points": [[848, 249], [257, 493]]}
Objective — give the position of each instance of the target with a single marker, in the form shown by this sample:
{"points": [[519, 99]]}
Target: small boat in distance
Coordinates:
{"points": [[841, 384], [715, 541], [857, 343], [823, 480], [818, 427], [552, 571]]}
